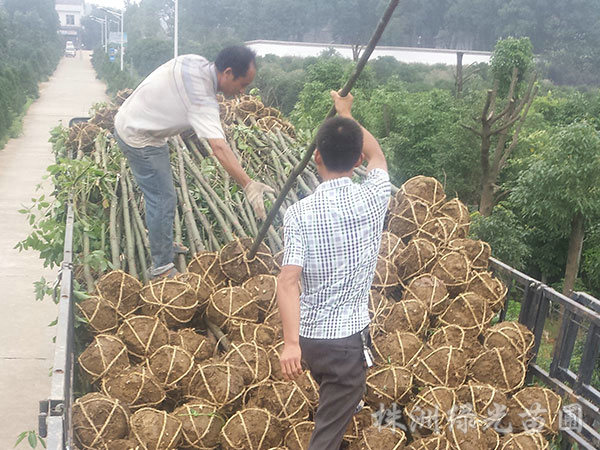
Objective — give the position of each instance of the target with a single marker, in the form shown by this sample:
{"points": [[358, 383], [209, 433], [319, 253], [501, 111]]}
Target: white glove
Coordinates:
{"points": [[254, 193]]}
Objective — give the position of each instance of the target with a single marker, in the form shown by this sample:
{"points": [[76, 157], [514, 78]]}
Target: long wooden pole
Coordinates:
{"points": [[309, 152]]}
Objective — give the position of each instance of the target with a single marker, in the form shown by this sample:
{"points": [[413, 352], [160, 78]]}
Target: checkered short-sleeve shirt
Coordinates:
{"points": [[334, 235]]}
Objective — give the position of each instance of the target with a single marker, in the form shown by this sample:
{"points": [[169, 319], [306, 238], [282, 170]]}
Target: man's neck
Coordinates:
{"points": [[326, 175]]}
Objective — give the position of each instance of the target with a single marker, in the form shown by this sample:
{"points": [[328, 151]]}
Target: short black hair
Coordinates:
{"points": [[238, 57], [340, 142]]}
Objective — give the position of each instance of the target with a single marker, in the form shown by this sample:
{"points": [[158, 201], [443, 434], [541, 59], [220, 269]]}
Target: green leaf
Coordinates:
{"points": [[32, 438], [20, 438]]}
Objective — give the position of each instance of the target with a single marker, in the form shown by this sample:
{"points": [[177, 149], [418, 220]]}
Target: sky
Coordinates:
{"points": [[109, 3]]}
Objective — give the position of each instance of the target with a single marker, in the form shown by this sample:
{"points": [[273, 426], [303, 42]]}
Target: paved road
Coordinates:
{"points": [[26, 349]]}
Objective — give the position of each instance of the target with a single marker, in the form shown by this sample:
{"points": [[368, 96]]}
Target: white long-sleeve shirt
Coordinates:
{"points": [[179, 95]]}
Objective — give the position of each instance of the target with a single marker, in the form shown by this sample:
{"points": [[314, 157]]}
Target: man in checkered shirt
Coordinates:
{"points": [[332, 240]]}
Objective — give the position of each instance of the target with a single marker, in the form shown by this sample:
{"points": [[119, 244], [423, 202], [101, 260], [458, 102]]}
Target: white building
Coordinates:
{"points": [[403, 54], [70, 13]]}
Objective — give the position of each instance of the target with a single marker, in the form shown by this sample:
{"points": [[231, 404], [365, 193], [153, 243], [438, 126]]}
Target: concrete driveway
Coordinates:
{"points": [[26, 349]]}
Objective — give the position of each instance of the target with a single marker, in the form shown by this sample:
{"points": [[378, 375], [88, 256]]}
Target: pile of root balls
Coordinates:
{"points": [[193, 362]]}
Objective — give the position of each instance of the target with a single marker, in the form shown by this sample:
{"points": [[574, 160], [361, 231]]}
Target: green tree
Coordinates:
{"points": [[511, 53], [561, 188]]}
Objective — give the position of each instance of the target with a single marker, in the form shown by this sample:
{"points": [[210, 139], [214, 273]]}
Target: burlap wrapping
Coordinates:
{"points": [[135, 387], [105, 356], [431, 291], [251, 429], [456, 336], [251, 360], [122, 444], [234, 261], [467, 431], [263, 289], [430, 410], [439, 230], [379, 309], [170, 363], [206, 264], [231, 303], [425, 189], [283, 399], [386, 275], [309, 388], [459, 213], [98, 419], [525, 441], [121, 290], [442, 366], [143, 335], [490, 288], [407, 315], [201, 288], [359, 422], [390, 245], [82, 136], [484, 400], [416, 258], [274, 352], [535, 409], [298, 437], [172, 301], [378, 438], [454, 270], [216, 384], [478, 252], [500, 368], [513, 335], [100, 316], [407, 217], [104, 117], [468, 311], [156, 430], [389, 384], [398, 347], [263, 334], [430, 443], [201, 347], [201, 425]]}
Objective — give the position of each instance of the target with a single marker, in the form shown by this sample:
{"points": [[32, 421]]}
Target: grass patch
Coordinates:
{"points": [[16, 128]]}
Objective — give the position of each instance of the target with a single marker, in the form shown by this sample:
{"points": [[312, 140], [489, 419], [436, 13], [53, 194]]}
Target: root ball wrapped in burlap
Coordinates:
{"points": [[386, 276], [143, 335], [199, 346], [156, 430], [483, 399], [122, 444], [467, 431], [263, 334], [170, 363], [535, 409], [263, 289], [407, 315], [389, 384], [238, 267], [206, 264], [216, 384], [431, 291], [442, 366], [418, 255], [398, 347], [490, 288], [512, 335], [121, 290], [298, 437], [172, 301], [379, 309], [251, 360], [439, 230], [101, 317], [500, 368], [201, 288], [285, 400], [105, 356], [436, 442], [407, 217], [135, 387], [104, 117], [201, 425], [251, 429], [469, 311], [309, 388], [390, 245], [376, 438], [458, 337], [122, 95], [478, 252], [459, 213], [454, 270], [525, 441], [425, 189], [231, 303], [429, 412], [81, 137], [98, 419], [359, 422]]}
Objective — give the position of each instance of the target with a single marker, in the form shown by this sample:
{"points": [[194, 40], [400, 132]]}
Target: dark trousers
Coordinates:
{"points": [[337, 365]]}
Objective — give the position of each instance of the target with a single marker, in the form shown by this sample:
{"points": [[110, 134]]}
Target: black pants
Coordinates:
{"points": [[337, 365]]}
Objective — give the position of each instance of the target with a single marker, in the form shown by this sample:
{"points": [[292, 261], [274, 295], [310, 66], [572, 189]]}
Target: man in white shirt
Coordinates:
{"points": [[179, 95], [332, 240]]}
